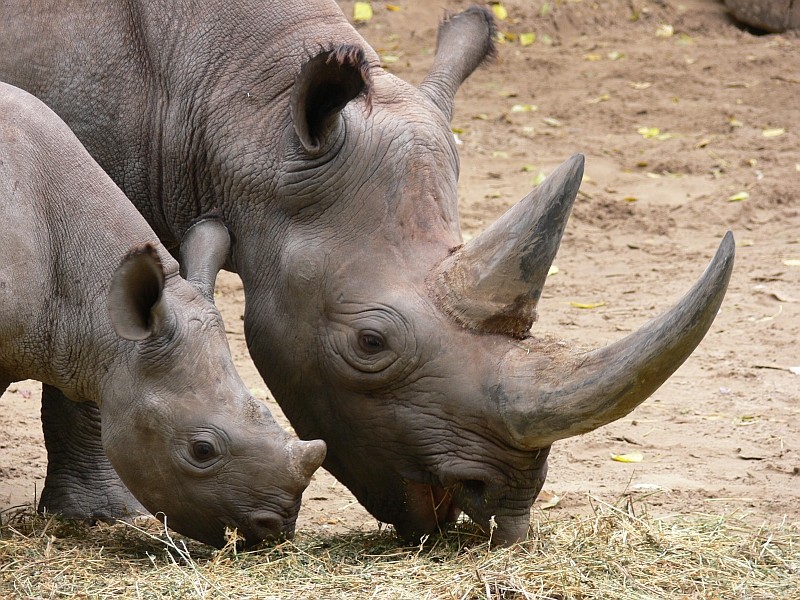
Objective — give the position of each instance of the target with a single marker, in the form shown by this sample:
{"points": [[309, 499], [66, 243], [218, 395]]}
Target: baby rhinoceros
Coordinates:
{"points": [[92, 304]]}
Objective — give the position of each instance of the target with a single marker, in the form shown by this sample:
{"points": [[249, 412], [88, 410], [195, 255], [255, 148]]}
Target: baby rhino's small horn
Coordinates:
{"points": [[306, 458]]}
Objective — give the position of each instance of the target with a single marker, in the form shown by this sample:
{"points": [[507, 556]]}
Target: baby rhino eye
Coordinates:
{"points": [[203, 451], [370, 342]]}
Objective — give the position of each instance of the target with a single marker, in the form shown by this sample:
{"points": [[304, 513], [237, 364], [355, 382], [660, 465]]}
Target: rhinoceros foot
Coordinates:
{"points": [[80, 482], [770, 15]]}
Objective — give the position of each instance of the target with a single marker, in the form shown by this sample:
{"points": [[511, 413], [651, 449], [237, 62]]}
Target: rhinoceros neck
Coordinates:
{"points": [[85, 349], [221, 106]]}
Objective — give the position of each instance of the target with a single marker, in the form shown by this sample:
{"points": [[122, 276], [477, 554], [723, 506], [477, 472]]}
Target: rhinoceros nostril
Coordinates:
{"points": [[473, 487], [267, 526]]}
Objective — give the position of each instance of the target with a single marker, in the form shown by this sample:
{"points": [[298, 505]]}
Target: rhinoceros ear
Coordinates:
{"points": [[325, 85], [204, 249], [463, 43], [134, 301]]}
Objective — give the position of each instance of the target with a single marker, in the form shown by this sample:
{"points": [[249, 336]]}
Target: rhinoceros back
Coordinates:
{"points": [[158, 92]]}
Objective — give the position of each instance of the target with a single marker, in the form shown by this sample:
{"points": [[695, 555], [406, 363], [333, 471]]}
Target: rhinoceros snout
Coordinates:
{"points": [[508, 531], [267, 526]]}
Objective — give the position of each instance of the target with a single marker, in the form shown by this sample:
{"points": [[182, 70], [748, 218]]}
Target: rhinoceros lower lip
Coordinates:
{"points": [[430, 507]]}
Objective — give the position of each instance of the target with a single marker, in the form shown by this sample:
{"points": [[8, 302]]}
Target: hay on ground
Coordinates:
{"points": [[619, 552]]}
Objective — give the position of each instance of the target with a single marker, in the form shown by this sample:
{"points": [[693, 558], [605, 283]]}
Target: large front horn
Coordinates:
{"points": [[494, 282], [545, 394], [204, 249]]}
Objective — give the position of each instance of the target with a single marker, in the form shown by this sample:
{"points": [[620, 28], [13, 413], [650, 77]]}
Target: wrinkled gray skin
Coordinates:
{"points": [[373, 327], [84, 314], [769, 15]]}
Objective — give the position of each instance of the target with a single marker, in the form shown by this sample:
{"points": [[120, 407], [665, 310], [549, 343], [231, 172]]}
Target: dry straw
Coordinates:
{"points": [[618, 552]]}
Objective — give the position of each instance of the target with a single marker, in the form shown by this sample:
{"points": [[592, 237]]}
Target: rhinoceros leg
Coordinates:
{"points": [[80, 483]]}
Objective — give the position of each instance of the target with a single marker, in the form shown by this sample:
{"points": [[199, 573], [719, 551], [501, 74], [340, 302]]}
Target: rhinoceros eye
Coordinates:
{"points": [[203, 451], [370, 342]]}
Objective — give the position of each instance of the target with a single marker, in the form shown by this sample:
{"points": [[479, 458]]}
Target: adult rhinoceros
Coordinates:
{"points": [[373, 326]]}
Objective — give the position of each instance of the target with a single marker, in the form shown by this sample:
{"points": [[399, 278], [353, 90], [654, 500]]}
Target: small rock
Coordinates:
{"points": [[751, 453]]}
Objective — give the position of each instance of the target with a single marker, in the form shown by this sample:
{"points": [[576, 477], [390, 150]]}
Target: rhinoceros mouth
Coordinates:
{"points": [[430, 507]]}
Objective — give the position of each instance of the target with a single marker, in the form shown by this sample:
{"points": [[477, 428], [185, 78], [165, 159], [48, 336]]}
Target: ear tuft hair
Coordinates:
{"points": [[324, 86]]}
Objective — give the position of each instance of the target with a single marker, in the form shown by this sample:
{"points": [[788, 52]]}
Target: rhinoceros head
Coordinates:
{"points": [[408, 352], [180, 427]]}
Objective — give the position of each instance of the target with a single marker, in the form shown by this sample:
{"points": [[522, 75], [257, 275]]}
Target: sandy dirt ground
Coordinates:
{"points": [[691, 126]]}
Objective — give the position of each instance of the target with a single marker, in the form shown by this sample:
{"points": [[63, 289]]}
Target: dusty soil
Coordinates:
{"points": [[722, 434]]}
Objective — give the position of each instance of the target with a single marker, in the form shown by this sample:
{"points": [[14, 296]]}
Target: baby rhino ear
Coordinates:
{"points": [[134, 302]]}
